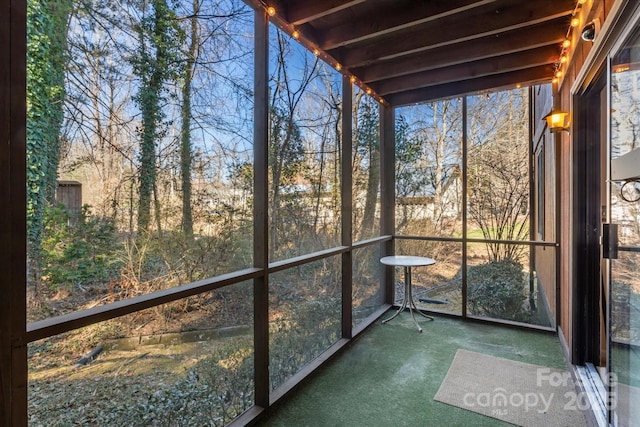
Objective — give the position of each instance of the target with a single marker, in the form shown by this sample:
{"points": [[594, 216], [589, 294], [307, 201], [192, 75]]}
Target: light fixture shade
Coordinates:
{"points": [[557, 120]]}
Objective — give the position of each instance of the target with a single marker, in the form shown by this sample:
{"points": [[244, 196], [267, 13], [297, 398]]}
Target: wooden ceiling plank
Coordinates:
{"points": [[302, 12], [524, 77], [448, 31], [550, 33], [395, 17], [462, 72]]}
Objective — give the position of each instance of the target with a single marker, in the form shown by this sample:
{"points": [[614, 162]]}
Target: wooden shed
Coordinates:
{"points": [[69, 193]]}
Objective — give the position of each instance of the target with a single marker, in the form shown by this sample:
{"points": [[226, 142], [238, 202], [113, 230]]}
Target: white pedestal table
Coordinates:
{"points": [[408, 261]]}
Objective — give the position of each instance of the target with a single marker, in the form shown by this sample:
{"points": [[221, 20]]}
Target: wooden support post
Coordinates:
{"points": [[347, 207], [465, 216], [260, 208], [13, 227]]}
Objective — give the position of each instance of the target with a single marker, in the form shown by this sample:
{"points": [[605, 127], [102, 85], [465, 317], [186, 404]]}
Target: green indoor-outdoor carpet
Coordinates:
{"points": [[389, 375]]}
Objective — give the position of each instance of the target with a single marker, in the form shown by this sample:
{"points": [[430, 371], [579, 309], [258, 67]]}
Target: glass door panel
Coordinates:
{"points": [[624, 205]]}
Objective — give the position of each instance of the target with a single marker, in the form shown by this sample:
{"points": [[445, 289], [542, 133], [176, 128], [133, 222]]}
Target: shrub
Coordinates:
{"points": [[78, 252], [497, 289], [214, 390], [313, 326]]}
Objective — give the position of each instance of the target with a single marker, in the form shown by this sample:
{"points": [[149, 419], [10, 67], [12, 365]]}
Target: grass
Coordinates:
{"points": [[477, 233]]}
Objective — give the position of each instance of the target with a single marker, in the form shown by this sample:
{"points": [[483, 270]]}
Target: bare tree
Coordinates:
{"points": [[185, 131], [367, 153], [428, 166], [286, 147], [99, 130], [498, 176]]}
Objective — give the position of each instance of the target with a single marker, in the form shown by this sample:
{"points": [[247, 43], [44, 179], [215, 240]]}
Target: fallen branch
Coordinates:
{"points": [[89, 357]]}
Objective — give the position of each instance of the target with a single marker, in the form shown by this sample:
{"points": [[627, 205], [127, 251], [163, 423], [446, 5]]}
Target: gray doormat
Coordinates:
{"points": [[515, 392]]}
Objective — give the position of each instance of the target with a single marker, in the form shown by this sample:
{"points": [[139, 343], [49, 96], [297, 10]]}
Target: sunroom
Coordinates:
{"points": [[198, 196]]}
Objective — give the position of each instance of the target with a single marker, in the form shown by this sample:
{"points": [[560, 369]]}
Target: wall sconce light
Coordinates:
{"points": [[557, 120]]}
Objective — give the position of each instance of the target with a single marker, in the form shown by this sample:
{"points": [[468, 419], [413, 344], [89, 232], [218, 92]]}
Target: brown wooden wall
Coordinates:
{"points": [[543, 140], [595, 9]]}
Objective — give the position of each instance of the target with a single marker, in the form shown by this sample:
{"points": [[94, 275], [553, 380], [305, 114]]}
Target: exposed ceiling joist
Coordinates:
{"points": [[395, 16], [301, 12], [548, 34], [545, 55], [410, 51], [478, 23], [448, 90]]}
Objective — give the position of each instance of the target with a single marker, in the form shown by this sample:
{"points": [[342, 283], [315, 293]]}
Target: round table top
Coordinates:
{"points": [[407, 261]]}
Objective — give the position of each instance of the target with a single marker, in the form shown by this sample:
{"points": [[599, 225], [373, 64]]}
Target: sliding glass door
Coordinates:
{"points": [[624, 235]]}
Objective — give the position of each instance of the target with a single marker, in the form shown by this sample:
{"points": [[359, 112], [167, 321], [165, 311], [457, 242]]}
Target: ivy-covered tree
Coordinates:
{"points": [[155, 63], [46, 64]]}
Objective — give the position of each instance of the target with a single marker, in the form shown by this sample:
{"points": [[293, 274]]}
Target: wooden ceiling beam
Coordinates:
{"points": [[462, 72], [454, 29], [550, 33], [301, 12], [395, 16], [524, 77]]}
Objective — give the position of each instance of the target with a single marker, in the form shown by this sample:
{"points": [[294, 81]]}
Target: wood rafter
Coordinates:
{"points": [[548, 34], [301, 12], [395, 16], [407, 50], [471, 25], [505, 63], [523, 77]]}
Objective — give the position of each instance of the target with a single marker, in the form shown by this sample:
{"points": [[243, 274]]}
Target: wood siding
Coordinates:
{"points": [[69, 193], [545, 257], [597, 9]]}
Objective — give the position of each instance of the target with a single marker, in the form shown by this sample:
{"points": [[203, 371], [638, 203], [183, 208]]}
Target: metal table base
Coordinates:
{"points": [[407, 301]]}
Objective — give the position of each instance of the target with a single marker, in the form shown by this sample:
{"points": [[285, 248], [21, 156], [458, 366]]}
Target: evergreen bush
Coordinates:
{"points": [[78, 252], [497, 289]]}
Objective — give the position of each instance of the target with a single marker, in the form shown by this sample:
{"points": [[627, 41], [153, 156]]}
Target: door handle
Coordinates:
{"points": [[610, 241]]}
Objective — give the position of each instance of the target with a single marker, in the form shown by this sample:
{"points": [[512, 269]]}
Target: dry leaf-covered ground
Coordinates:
{"points": [[172, 384], [190, 364]]}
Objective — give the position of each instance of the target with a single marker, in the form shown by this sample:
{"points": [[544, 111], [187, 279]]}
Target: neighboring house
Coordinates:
{"points": [[428, 204]]}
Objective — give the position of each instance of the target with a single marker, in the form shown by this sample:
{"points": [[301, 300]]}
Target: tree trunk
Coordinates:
{"points": [[439, 172], [147, 164], [185, 132], [153, 72], [46, 47], [373, 184], [157, 209]]}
